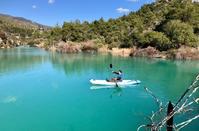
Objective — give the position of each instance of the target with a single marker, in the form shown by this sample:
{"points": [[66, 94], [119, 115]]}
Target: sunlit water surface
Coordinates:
{"points": [[43, 91]]}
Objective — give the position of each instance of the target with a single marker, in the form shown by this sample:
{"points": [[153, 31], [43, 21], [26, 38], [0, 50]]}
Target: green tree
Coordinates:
{"points": [[180, 33], [73, 31], [56, 33], [154, 39]]}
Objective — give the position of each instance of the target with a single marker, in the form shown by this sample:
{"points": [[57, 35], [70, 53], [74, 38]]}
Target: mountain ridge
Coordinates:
{"points": [[21, 21]]}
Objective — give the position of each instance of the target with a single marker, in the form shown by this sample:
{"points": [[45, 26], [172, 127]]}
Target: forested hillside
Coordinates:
{"points": [[164, 24]]}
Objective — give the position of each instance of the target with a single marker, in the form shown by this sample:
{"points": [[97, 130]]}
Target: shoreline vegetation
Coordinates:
{"points": [[182, 53], [163, 29]]}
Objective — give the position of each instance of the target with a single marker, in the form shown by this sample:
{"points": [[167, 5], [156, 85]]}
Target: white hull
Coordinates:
{"points": [[121, 83], [95, 87]]}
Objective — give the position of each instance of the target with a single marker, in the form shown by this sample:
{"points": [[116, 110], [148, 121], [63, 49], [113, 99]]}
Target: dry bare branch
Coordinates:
{"points": [[183, 124], [182, 106]]}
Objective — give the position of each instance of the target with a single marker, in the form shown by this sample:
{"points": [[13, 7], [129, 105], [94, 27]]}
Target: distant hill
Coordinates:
{"points": [[16, 31], [20, 22]]}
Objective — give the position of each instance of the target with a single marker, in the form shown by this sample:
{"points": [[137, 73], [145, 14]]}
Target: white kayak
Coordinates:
{"points": [[120, 83], [94, 87]]}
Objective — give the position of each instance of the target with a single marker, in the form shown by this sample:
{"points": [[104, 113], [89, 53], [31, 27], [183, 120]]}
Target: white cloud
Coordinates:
{"points": [[51, 1], [132, 0], [34, 6], [123, 10]]}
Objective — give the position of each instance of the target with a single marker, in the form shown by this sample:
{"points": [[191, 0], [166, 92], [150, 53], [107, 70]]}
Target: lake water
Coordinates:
{"points": [[43, 91]]}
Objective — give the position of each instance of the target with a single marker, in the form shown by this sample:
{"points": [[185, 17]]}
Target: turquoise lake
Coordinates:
{"points": [[45, 91]]}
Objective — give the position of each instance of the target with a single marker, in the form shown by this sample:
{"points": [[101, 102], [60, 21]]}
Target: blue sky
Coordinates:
{"points": [[51, 12]]}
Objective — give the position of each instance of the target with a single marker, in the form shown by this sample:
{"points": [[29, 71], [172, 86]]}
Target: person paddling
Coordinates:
{"points": [[118, 77]]}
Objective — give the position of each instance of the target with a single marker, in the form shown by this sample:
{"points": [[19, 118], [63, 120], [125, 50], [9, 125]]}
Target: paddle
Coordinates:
{"points": [[111, 66]]}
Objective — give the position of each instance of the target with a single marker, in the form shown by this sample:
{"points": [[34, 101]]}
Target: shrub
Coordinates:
{"points": [[180, 33], [154, 39], [158, 40]]}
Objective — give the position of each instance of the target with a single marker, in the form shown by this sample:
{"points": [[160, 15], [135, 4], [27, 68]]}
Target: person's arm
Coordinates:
{"points": [[116, 72]]}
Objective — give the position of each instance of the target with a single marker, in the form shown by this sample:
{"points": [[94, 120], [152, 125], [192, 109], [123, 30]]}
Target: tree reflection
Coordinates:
{"points": [[20, 59], [80, 63]]}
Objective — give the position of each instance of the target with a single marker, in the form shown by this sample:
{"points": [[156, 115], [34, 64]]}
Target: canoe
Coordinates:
{"points": [[120, 83]]}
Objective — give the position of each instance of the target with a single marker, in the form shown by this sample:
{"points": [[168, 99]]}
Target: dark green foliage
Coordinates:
{"points": [[180, 33], [56, 33], [157, 40], [182, 10], [74, 31]]}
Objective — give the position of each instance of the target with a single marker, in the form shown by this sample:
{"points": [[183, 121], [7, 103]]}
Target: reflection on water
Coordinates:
{"points": [[24, 58], [20, 58], [164, 73], [77, 63], [116, 92], [55, 89], [154, 73]]}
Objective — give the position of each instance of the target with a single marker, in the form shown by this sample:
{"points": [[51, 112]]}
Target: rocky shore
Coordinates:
{"points": [[182, 53]]}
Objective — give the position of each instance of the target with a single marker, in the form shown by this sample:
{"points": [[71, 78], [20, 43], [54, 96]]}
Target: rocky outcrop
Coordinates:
{"points": [[3, 39], [149, 52], [3, 36], [121, 51], [9, 41], [68, 47], [73, 47], [184, 53], [88, 46]]}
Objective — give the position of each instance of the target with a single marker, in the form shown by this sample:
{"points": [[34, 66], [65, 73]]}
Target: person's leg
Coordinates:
{"points": [[113, 79], [119, 79]]}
